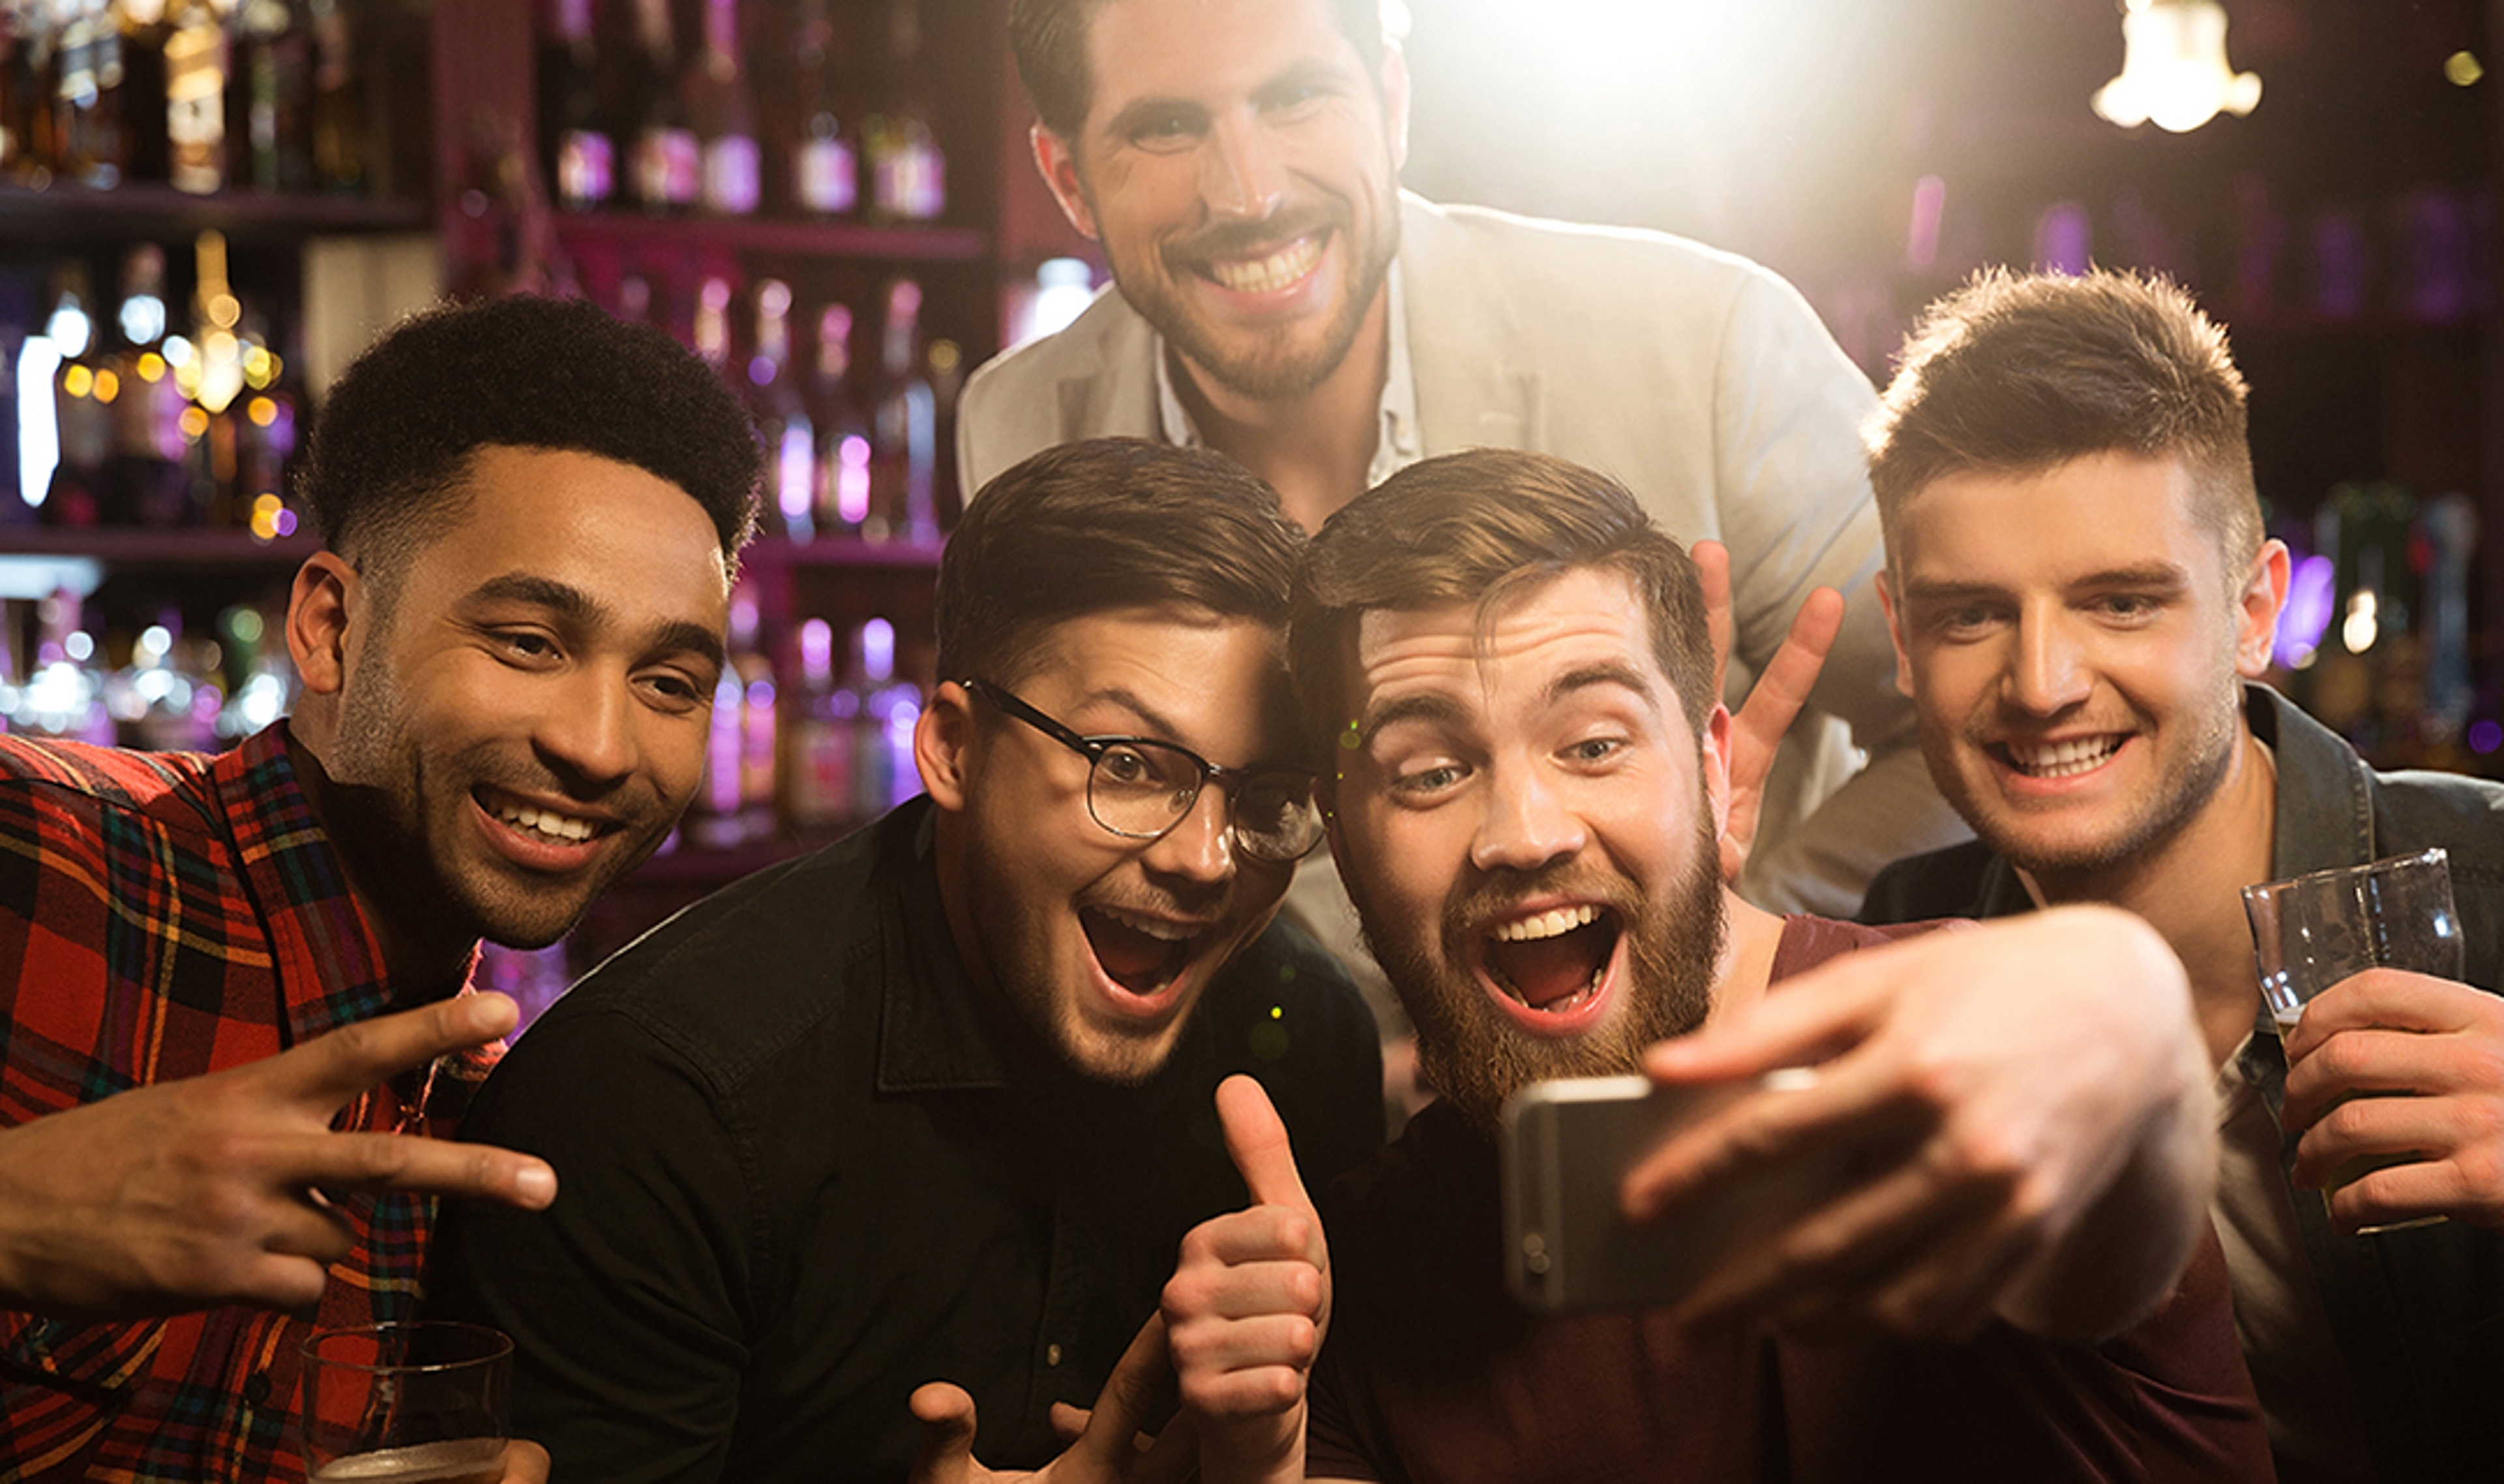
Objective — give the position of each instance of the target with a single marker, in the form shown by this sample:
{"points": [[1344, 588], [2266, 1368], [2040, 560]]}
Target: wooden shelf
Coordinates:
{"points": [[770, 234], [116, 547], [70, 214]]}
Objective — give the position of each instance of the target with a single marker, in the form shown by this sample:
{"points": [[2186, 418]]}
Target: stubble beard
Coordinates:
{"points": [[1273, 370], [1473, 1058], [2081, 868]]}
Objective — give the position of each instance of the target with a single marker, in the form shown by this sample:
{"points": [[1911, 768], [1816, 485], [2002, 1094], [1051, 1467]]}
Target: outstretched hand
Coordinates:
{"points": [[2028, 1104], [207, 1191], [1776, 698]]}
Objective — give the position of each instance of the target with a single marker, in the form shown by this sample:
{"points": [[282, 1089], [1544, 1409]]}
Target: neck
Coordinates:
{"points": [[2190, 889], [1748, 943], [1314, 448], [422, 960]]}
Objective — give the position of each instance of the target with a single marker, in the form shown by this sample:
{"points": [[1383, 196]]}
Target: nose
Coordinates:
{"points": [[2048, 673], [1200, 846], [1240, 177], [588, 731], [1525, 825]]}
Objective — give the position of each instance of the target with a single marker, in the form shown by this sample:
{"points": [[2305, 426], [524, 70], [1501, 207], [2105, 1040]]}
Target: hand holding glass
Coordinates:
{"points": [[2311, 931], [420, 1403]]}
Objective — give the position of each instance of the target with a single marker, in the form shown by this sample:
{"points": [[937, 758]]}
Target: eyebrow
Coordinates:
{"points": [[580, 607], [1432, 707], [1608, 672], [2135, 574]]}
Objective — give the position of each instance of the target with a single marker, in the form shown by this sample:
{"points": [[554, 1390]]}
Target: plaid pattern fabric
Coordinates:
{"points": [[171, 915]]}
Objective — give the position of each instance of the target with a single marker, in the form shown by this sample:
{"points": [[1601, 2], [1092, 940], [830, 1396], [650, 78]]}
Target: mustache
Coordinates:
{"points": [[1228, 239], [1503, 895]]}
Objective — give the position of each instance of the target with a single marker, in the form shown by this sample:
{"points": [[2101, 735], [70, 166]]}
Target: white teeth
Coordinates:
{"points": [[1547, 925], [2062, 759], [1152, 927], [1268, 275], [545, 823]]}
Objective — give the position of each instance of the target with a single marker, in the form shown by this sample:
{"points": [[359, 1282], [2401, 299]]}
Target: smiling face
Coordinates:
{"points": [[1242, 170], [522, 720], [1528, 828], [1102, 944], [2072, 639]]}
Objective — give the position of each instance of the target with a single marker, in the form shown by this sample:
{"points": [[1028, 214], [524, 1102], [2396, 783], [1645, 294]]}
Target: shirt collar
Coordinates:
{"points": [[1397, 443]]}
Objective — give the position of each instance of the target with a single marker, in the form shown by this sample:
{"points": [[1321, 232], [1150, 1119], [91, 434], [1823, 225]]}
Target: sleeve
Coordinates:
{"points": [[1332, 1448], [626, 1299], [1794, 493]]}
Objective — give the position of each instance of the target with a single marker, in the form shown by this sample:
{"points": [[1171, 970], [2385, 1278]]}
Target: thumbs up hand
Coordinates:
{"points": [[1248, 1305]]}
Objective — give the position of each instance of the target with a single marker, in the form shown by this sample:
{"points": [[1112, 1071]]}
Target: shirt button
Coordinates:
{"points": [[1052, 1355], [256, 1388]]}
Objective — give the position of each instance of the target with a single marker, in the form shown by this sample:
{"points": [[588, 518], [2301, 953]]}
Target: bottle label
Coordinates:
{"points": [[731, 175], [912, 179], [668, 168], [586, 168], [827, 176]]}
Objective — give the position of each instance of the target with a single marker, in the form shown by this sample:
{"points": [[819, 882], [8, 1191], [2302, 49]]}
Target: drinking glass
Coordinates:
{"points": [[2310, 931], [416, 1403]]}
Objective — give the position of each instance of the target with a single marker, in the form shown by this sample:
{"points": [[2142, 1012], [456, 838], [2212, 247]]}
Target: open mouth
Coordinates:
{"points": [[535, 822], [1553, 963], [1272, 271], [2059, 759], [1140, 954]]}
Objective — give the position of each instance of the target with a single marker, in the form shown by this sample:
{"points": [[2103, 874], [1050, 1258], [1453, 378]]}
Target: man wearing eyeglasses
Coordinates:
{"points": [[935, 1102]]}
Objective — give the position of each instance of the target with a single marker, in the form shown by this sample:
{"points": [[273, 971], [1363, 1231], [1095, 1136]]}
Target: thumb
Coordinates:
{"points": [[1258, 1143], [946, 1452]]}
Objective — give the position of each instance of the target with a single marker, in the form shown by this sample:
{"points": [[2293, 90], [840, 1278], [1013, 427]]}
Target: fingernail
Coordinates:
{"points": [[535, 1184]]}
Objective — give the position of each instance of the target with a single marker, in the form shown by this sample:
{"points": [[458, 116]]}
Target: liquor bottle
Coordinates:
{"points": [[737, 794], [195, 96], [585, 168], [91, 96], [904, 438], [338, 107], [156, 700], [668, 160], [759, 751], [265, 439], [710, 333], [272, 93], [884, 773], [63, 693], [84, 390], [781, 417], [146, 480], [819, 739], [842, 431], [725, 123], [826, 157], [143, 30], [908, 172], [33, 79], [261, 679]]}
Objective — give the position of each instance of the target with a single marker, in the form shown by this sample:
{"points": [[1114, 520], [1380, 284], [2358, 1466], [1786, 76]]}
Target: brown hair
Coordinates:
{"points": [[1049, 38], [2020, 373], [1109, 523], [1476, 527]]}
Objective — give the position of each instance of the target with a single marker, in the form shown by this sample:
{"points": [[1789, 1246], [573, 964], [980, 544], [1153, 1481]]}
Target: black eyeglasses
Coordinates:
{"points": [[1140, 788]]}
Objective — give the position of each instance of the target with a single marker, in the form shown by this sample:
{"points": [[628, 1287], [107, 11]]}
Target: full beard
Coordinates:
{"points": [[1475, 1059], [1275, 368]]}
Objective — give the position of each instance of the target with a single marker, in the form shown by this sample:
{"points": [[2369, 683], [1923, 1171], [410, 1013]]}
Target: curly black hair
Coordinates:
{"points": [[396, 435]]}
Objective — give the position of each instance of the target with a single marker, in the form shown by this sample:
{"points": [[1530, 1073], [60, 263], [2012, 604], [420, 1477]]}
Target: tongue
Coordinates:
{"points": [[1133, 959], [1545, 970]]}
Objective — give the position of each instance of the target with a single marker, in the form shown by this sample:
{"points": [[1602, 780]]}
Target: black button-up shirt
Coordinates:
{"points": [[804, 1166]]}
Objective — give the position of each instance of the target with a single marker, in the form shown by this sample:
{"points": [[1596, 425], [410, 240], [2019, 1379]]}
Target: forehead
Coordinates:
{"points": [[616, 532], [2102, 512], [1203, 50], [1205, 678], [1537, 634]]}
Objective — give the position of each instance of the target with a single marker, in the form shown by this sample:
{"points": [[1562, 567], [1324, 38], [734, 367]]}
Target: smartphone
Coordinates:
{"points": [[1565, 1147]]}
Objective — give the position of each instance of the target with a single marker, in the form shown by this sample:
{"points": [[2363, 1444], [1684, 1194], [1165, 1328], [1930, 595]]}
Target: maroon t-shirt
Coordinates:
{"points": [[1432, 1373]]}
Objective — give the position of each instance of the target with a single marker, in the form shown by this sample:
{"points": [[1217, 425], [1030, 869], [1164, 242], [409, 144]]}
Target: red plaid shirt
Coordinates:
{"points": [[171, 915]]}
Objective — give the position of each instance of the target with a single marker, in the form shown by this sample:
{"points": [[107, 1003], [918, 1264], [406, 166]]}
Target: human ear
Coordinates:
{"points": [[943, 744], [1886, 586], [1057, 161], [2257, 607], [318, 607]]}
